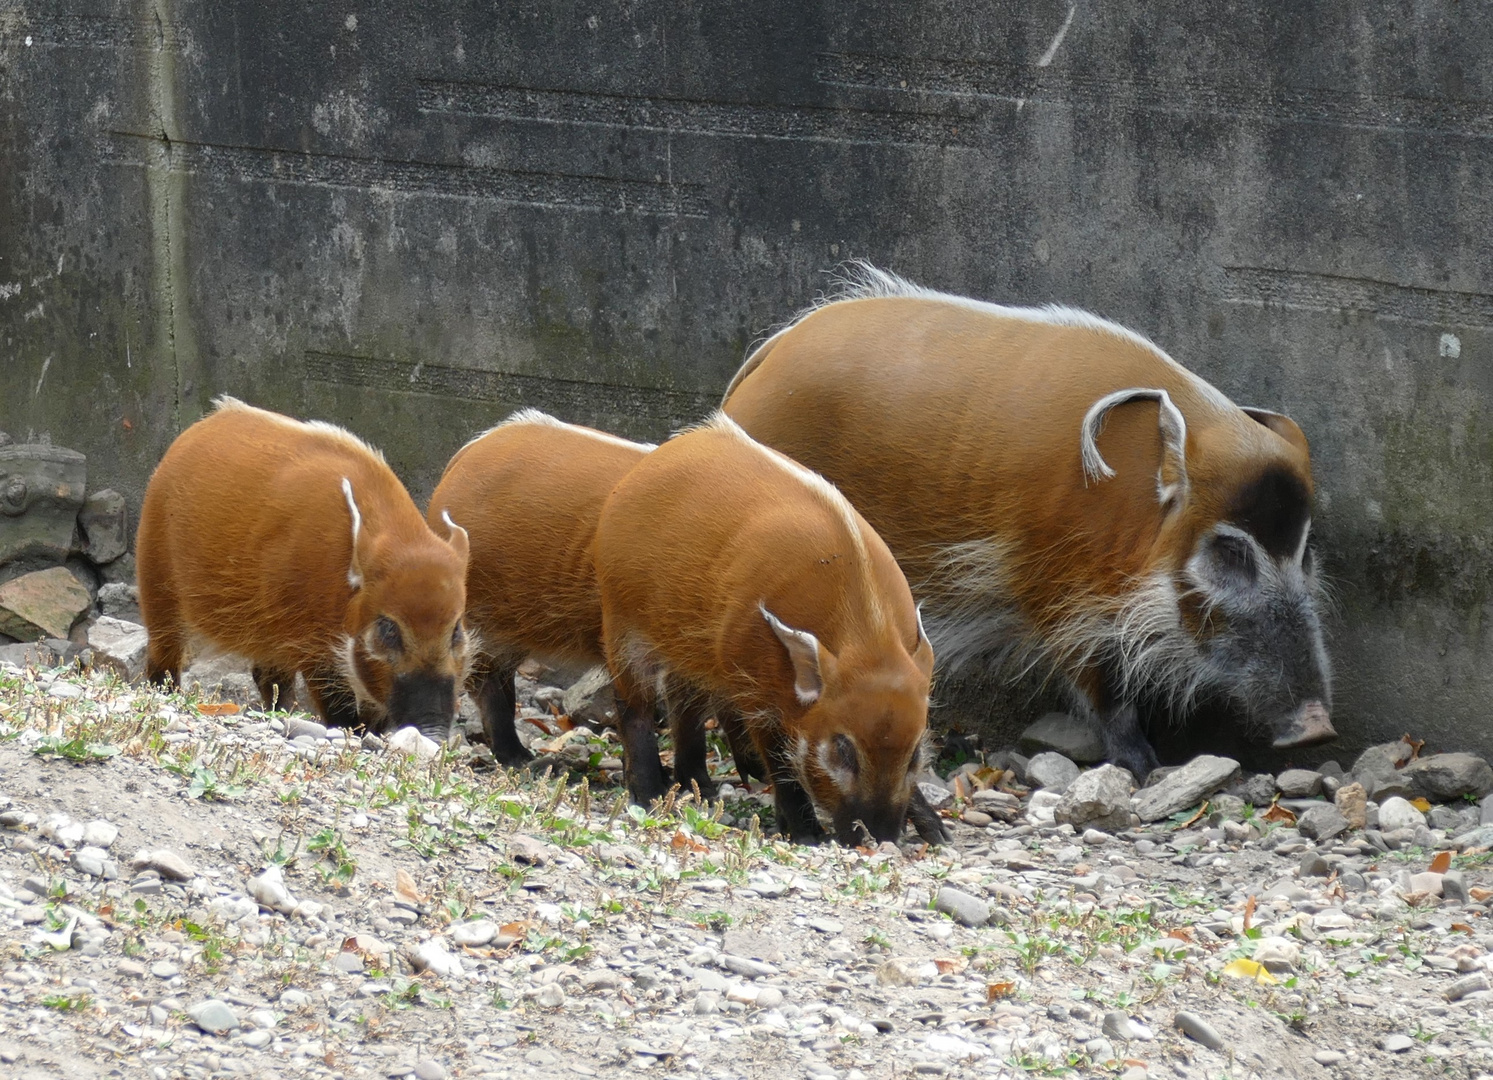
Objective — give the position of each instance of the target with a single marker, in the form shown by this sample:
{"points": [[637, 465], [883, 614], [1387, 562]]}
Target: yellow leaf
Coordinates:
{"points": [[1248, 969], [1442, 862], [1422, 805]]}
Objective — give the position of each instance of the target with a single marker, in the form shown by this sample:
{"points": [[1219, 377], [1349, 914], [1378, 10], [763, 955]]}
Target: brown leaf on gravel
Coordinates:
{"points": [[1462, 927], [1442, 862], [997, 991], [1249, 912], [405, 886], [1201, 811], [1181, 933], [548, 729], [221, 708], [951, 965], [680, 842], [1415, 745], [1479, 894], [1279, 813]]}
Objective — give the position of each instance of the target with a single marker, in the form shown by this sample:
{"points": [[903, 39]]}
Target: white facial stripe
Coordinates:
{"points": [[1306, 532], [843, 779]]}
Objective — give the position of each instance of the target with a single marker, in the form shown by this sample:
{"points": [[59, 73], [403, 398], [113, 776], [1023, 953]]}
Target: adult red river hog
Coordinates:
{"points": [[725, 566], [294, 545], [529, 492], [1059, 489]]}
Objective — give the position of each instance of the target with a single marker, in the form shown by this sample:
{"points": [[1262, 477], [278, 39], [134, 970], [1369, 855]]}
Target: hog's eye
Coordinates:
{"points": [[386, 634], [457, 637], [845, 755]]}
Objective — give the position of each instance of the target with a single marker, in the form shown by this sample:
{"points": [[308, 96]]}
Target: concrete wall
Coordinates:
{"points": [[412, 218]]}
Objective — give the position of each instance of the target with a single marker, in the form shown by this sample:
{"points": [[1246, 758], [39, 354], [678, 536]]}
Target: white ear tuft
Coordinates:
{"points": [[1171, 478], [460, 542], [803, 650], [354, 575], [922, 634]]}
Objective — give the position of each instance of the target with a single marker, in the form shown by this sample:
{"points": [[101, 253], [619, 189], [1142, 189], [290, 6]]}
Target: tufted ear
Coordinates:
{"points": [[803, 649], [459, 541], [1282, 425], [1171, 477], [355, 567]]}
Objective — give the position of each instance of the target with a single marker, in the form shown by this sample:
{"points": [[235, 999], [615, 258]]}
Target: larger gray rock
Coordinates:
{"points": [[42, 604], [590, 700], [964, 909], [119, 645], [1444, 777], [1098, 799], [120, 601], [213, 1016], [1185, 787], [1051, 772], [1380, 763], [41, 491], [1395, 813], [1322, 822], [1074, 737], [104, 523]]}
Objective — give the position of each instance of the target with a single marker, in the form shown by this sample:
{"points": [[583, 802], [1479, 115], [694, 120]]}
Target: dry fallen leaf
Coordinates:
{"points": [[1442, 862], [1480, 894], [680, 842], [1201, 811], [405, 886], [951, 965], [1278, 813], [1463, 927], [1423, 805], [1248, 969], [1249, 912], [1181, 933], [1414, 744], [220, 708], [996, 991]]}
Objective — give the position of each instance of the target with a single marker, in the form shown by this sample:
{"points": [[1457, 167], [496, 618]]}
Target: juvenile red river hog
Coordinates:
{"points": [[529, 493], [727, 567], [1059, 489], [294, 545]]}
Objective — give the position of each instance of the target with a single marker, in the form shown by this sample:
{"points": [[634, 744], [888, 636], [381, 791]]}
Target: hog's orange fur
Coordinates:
{"points": [[246, 542], [704, 547]]}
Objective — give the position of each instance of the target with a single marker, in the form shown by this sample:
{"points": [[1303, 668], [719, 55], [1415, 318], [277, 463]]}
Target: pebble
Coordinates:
{"points": [[746, 967], [1195, 1027], [213, 1016], [1299, 783], [164, 862], [1051, 772], [960, 906], [471, 934], [268, 888], [1118, 1025], [1396, 1044], [1470, 984], [1397, 813], [1185, 787], [1329, 1057], [551, 996]]}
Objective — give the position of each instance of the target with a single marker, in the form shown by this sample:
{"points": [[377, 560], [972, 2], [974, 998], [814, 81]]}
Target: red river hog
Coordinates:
{"points": [[726, 567], [1060, 490], [294, 545]]}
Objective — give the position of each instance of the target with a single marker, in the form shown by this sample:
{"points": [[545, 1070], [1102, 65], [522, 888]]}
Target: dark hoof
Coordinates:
{"points": [[513, 758]]}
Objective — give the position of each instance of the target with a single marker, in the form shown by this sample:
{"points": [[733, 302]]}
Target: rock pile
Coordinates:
{"points": [[61, 548]]}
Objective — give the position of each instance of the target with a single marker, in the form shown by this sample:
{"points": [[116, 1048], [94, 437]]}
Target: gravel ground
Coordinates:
{"points": [[185, 894]]}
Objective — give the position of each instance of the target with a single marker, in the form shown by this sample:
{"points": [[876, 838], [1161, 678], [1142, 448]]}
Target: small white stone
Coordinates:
{"points": [[408, 740]]}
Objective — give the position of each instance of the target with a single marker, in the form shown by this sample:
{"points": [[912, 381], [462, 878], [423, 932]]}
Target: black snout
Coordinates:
{"points": [[424, 702], [858, 822]]}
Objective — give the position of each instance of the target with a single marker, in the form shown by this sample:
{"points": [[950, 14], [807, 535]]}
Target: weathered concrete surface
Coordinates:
{"points": [[412, 219]]}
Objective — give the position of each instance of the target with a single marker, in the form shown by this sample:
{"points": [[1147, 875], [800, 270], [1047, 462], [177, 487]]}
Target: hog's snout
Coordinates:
{"points": [[424, 702], [1307, 726]]}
